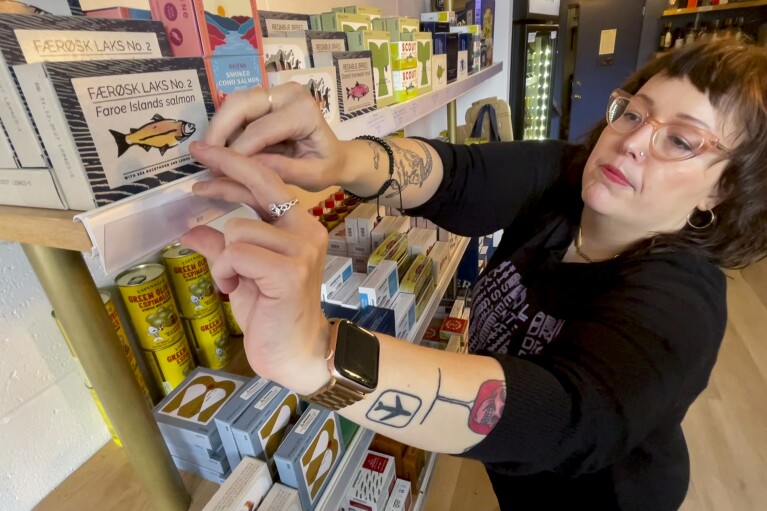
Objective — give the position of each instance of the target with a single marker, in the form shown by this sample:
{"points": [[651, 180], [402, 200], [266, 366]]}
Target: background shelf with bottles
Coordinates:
{"points": [[707, 21]]}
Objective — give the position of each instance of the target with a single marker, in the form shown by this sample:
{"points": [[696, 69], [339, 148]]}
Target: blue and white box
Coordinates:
{"points": [[185, 416], [231, 411], [310, 453], [261, 427], [381, 285], [404, 314], [337, 271]]}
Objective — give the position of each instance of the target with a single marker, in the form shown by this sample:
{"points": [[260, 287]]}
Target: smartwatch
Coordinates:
{"points": [[352, 358]]}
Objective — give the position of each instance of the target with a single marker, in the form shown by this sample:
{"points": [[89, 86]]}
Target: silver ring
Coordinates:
{"points": [[269, 99], [641, 153], [277, 210]]}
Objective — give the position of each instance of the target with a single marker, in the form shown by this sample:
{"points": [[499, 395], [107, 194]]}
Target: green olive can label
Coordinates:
{"points": [[210, 337], [170, 365], [151, 307], [120, 331], [231, 323], [191, 280]]}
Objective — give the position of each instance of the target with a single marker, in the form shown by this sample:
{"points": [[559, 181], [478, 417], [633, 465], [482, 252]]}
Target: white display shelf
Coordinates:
{"points": [[332, 498], [131, 229], [423, 487]]}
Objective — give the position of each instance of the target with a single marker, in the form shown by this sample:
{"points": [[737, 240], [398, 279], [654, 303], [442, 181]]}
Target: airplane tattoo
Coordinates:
{"points": [[394, 408]]}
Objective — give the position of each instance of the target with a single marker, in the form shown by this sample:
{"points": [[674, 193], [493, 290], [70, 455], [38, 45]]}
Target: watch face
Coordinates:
{"points": [[356, 356]]}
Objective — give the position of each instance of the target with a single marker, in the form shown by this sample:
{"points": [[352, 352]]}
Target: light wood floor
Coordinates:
{"points": [[726, 430], [726, 427]]}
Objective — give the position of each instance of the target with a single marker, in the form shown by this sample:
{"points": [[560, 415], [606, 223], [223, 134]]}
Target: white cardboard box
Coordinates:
{"points": [[281, 498], [337, 271], [381, 285], [373, 483], [401, 499], [244, 489]]}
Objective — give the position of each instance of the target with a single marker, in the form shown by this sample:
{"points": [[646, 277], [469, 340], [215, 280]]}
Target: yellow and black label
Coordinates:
{"points": [[210, 337], [191, 280], [170, 365]]}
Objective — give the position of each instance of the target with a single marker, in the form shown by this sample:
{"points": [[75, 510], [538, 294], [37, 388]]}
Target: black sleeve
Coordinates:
{"points": [[485, 186], [634, 362]]}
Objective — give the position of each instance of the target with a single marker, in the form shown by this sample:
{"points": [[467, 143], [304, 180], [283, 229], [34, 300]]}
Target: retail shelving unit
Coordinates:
{"points": [[722, 7], [53, 241]]}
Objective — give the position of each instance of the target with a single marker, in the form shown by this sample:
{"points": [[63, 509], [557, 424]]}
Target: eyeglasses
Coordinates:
{"points": [[670, 142]]}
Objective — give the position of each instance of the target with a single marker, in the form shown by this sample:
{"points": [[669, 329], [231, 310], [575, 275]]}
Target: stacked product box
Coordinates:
{"points": [[419, 281], [225, 33], [387, 226], [380, 286], [373, 483], [372, 13], [355, 84], [404, 61], [348, 295], [337, 271], [396, 26], [281, 498], [420, 240], [401, 498], [378, 44], [275, 23], [231, 411], [186, 421], [285, 53], [440, 257], [259, 430], [338, 243], [394, 248], [376, 319], [345, 22], [30, 40], [245, 488], [319, 82], [117, 128], [446, 44], [309, 454], [318, 42]]}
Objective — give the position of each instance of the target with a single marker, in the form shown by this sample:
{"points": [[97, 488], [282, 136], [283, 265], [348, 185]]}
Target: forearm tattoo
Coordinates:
{"points": [[397, 409], [411, 168], [376, 153]]}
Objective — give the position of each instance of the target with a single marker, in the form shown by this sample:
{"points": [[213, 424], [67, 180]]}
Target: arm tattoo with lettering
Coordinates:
{"points": [[410, 167], [485, 410]]}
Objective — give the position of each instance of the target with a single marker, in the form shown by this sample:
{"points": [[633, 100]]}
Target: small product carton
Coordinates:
{"points": [[381, 285], [245, 488], [373, 483], [310, 453], [274, 22], [337, 271], [378, 44], [320, 83], [186, 415], [355, 84], [401, 498], [260, 429], [281, 498]]}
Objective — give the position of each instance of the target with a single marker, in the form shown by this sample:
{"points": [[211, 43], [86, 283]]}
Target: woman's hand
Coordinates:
{"points": [[271, 271], [281, 128]]}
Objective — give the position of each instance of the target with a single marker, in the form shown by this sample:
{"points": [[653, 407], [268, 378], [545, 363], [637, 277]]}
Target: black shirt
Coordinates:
{"points": [[601, 360]]}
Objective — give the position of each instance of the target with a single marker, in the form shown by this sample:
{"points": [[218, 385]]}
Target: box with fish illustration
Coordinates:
{"points": [[321, 42], [231, 411], [121, 127], [272, 23], [345, 22], [231, 73], [354, 81], [262, 426], [320, 83], [285, 53], [185, 416], [405, 84], [33, 39], [378, 44], [27, 7], [310, 453]]}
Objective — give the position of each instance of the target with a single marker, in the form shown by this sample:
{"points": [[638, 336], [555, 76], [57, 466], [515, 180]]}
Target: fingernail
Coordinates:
{"points": [[199, 145], [199, 187]]}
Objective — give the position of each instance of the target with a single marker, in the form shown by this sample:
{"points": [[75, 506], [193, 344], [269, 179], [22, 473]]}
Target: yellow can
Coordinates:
{"points": [[151, 307], [170, 365], [191, 280], [231, 322], [210, 338], [106, 297]]}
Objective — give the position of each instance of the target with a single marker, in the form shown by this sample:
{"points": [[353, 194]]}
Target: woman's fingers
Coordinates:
{"points": [[211, 244], [239, 109], [256, 232], [296, 171], [226, 189], [272, 273]]}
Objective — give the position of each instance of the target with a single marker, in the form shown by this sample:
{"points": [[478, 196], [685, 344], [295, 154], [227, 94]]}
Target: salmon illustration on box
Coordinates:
{"points": [[122, 127]]}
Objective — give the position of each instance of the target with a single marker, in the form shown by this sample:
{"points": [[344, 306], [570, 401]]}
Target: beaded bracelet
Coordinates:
{"points": [[383, 143]]}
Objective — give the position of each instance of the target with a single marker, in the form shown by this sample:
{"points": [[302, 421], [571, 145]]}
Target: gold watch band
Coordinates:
{"points": [[335, 397]]}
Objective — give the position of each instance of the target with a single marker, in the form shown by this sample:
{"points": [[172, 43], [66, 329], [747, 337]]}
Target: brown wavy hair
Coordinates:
{"points": [[734, 77]]}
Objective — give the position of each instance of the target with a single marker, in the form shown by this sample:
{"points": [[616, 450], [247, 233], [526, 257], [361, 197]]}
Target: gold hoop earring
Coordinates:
{"points": [[705, 226]]}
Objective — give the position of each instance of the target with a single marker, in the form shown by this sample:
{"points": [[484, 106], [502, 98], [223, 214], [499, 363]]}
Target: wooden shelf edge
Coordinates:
{"points": [[48, 227], [711, 8]]}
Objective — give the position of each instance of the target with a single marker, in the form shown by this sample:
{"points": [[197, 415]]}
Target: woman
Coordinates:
{"points": [[597, 322]]}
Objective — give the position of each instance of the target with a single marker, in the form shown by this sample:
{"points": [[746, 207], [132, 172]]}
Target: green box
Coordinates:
{"points": [[315, 22], [399, 24], [424, 56], [373, 13], [404, 55], [345, 22], [378, 43], [405, 84]]}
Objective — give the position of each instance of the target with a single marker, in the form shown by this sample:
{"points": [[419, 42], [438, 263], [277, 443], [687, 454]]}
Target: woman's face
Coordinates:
{"points": [[625, 181]]}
